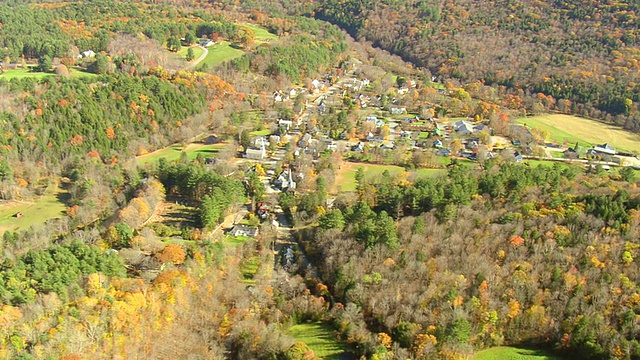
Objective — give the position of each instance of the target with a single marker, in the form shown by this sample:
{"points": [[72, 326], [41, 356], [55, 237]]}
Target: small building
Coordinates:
{"points": [[87, 54], [398, 110], [359, 147], [437, 144], [255, 154], [244, 230], [605, 149], [210, 140], [517, 156], [444, 152]]}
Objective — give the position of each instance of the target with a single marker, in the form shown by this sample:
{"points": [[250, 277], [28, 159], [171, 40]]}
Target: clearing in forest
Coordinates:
{"points": [[221, 52], [20, 215], [514, 353], [571, 129], [260, 33], [320, 338]]}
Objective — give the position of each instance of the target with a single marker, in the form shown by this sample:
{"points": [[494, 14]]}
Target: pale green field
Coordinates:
{"points": [[39, 211], [27, 73], [320, 338], [514, 353], [571, 129], [220, 53], [346, 177]]}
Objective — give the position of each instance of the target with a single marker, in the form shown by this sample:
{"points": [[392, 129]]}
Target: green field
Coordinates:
{"points": [[346, 177], [220, 53], [513, 353], [39, 211], [260, 33], [174, 152], [197, 51], [28, 73], [572, 129], [263, 132], [320, 338], [249, 268]]}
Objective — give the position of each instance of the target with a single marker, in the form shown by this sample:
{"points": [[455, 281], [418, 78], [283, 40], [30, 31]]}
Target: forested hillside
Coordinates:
{"points": [[512, 255], [583, 55]]}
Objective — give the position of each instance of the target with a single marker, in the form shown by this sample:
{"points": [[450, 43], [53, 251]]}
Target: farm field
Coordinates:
{"points": [[586, 132], [174, 152], [39, 211], [320, 338], [513, 353], [220, 53], [346, 176]]}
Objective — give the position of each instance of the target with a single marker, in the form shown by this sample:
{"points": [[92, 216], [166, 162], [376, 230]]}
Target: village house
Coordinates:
{"points": [[285, 124], [398, 110], [463, 127], [244, 230]]}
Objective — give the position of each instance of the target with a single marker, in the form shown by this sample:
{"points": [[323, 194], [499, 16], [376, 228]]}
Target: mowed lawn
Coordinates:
{"points": [[346, 177], [174, 152], [514, 353], [220, 53], [586, 132], [320, 338], [197, 52], [34, 212]]}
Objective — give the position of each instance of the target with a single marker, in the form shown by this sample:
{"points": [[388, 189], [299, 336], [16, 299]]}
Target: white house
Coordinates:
{"points": [[206, 42], [87, 54], [244, 230]]}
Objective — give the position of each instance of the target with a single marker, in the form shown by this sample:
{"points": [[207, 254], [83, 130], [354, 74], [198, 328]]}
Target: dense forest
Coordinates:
{"points": [[513, 254]]}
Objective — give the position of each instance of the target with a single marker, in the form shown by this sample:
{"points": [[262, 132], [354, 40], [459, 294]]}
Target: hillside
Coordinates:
{"points": [[581, 55]]}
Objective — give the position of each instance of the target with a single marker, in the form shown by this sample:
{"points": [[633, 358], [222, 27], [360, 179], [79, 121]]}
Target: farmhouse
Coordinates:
{"points": [[206, 42]]}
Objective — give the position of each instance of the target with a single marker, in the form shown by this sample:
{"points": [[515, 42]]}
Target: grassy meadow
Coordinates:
{"points": [[197, 52], [260, 33], [34, 212], [30, 73], [320, 338], [513, 353], [221, 52], [346, 176], [571, 129]]}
